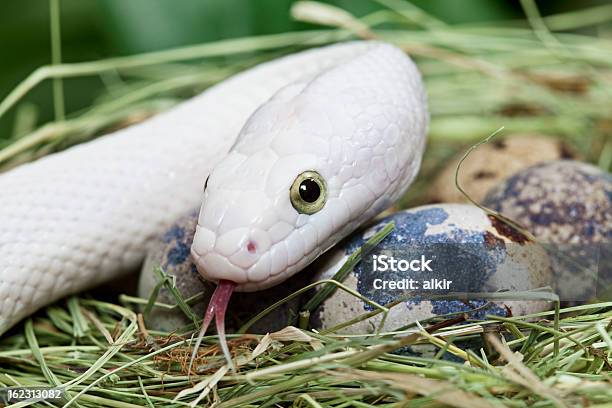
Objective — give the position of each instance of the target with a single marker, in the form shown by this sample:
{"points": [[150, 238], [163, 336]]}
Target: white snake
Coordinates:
{"points": [[353, 116]]}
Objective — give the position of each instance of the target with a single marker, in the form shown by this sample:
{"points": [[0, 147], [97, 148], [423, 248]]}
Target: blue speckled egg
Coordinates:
{"points": [[474, 251], [567, 205], [172, 254]]}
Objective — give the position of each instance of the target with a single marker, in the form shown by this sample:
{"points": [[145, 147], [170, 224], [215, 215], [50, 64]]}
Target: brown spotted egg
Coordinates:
{"points": [[492, 163], [567, 205]]}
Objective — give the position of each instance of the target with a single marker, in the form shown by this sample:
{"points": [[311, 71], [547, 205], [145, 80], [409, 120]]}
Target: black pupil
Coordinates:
{"points": [[310, 190]]}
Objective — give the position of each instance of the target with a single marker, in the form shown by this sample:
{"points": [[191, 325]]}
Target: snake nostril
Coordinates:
{"points": [[251, 247]]}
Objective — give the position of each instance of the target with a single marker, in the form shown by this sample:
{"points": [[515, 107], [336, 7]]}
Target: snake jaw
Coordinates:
{"points": [[216, 308]]}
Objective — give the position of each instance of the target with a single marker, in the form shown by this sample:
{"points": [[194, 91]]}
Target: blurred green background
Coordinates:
{"points": [[94, 29]]}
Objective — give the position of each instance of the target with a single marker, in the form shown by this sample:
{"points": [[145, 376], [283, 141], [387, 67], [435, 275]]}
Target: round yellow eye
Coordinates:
{"points": [[308, 192]]}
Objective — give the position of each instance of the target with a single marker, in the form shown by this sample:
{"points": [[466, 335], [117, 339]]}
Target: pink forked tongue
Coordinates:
{"points": [[216, 308]]}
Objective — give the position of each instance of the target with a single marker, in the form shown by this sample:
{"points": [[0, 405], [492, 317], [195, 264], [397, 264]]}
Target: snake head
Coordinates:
{"points": [[263, 218], [317, 160]]}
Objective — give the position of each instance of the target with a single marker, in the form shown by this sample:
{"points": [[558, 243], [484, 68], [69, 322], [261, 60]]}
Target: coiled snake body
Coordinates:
{"points": [[300, 152]]}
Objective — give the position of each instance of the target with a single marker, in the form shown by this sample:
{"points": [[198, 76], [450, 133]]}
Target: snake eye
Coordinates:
{"points": [[308, 192]]}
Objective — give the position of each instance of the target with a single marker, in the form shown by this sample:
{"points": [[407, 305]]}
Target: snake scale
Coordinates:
{"points": [[286, 159]]}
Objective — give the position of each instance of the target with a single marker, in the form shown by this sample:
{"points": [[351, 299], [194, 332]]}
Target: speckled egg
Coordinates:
{"points": [[492, 163], [561, 201], [475, 252], [172, 254], [567, 204]]}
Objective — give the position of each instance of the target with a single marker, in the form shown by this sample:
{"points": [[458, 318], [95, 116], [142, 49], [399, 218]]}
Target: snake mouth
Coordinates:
{"points": [[216, 309], [241, 255]]}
